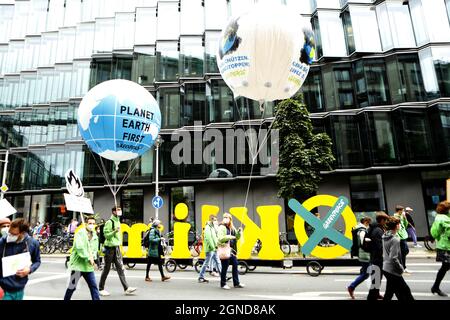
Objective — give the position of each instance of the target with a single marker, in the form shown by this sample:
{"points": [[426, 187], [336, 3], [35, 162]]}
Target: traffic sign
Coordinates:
{"points": [[4, 188], [157, 202], [73, 184]]}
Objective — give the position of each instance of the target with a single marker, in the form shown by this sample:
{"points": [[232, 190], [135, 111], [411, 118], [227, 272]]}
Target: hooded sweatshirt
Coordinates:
{"points": [[392, 257], [14, 283], [83, 249]]}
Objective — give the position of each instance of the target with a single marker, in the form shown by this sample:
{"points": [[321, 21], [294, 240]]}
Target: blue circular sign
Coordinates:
{"points": [[157, 202], [119, 120]]}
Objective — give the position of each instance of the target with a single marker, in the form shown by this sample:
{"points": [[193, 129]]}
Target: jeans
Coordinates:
{"points": [[157, 261], [441, 274], [404, 251], [377, 272], [223, 274], [18, 295], [211, 259], [397, 285], [112, 254], [412, 234], [89, 277], [363, 275]]}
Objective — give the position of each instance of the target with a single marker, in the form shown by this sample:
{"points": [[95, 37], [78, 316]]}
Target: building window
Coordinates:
{"points": [[440, 122], [121, 68], [313, 92], [194, 104], [371, 83], [133, 206], [405, 78], [347, 142], [124, 30], [216, 14], [434, 191], [344, 86], [331, 32], [191, 56], [381, 135], [211, 49], [100, 71], [416, 136], [220, 102], [144, 68], [435, 65], [167, 61], [394, 22], [167, 169], [348, 31], [184, 195], [145, 21], [316, 28], [168, 20], [192, 17], [367, 195], [169, 103]]}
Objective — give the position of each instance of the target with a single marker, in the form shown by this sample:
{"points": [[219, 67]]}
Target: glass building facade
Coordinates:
{"points": [[380, 87]]}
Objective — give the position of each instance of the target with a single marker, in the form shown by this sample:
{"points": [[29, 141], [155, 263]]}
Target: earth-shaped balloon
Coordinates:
{"points": [[119, 120]]}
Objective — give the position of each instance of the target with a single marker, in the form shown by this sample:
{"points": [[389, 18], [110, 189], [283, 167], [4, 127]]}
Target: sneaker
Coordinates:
{"points": [[130, 291], [417, 246], [408, 271], [380, 297], [350, 292], [148, 279], [226, 287], [215, 274], [165, 279], [202, 280], [104, 293], [240, 285]]}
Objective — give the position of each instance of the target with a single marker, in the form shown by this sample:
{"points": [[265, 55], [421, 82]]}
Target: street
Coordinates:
{"points": [[50, 281]]}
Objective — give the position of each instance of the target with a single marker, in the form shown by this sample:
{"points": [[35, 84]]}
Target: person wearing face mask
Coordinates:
{"points": [[227, 234], [113, 240], [81, 264], [16, 242], [210, 242], [4, 226]]}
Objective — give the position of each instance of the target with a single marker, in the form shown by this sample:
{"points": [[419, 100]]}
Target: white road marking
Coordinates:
{"points": [[324, 295], [407, 280], [45, 279]]}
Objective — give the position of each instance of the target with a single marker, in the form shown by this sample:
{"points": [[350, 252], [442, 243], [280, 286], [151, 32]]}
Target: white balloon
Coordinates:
{"points": [[265, 54]]}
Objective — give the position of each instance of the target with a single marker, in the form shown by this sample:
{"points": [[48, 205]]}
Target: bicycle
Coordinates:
{"points": [[285, 246], [197, 245]]}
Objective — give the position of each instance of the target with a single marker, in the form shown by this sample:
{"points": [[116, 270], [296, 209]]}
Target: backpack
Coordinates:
{"points": [[354, 252], [146, 239], [101, 237]]}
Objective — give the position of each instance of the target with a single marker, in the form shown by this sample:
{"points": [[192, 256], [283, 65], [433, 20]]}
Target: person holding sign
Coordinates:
{"points": [[20, 257], [113, 240], [81, 264]]}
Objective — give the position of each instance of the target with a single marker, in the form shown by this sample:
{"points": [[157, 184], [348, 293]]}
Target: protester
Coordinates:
{"points": [[363, 256], [440, 231], [393, 264], [82, 260], [4, 226], [73, 226], [375, 234], [16, 242], [411, 227], [228, 236], [155, 251], [210, 242], [113, 240], [402, 234]]}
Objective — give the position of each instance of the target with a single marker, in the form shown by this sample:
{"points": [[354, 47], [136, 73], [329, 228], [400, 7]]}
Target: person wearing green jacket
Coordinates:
{"points": [[402, 234], [113, 240], [155, 251], [210, 241], [228, 236], [81, 263], [440, 230]]}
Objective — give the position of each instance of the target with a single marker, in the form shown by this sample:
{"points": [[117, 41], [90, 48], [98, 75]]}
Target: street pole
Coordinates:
{"points": [[158, 142], [5, 168]]}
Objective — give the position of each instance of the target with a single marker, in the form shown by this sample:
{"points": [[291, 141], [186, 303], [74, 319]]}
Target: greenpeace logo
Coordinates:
{"points": [[333, 215]]}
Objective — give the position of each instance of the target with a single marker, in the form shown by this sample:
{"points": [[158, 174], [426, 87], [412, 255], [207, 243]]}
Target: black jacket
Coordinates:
{"points": [[375, 233]]}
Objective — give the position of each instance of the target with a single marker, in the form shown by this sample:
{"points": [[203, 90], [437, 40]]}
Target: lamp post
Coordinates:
{"points": [[159, 140]]}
